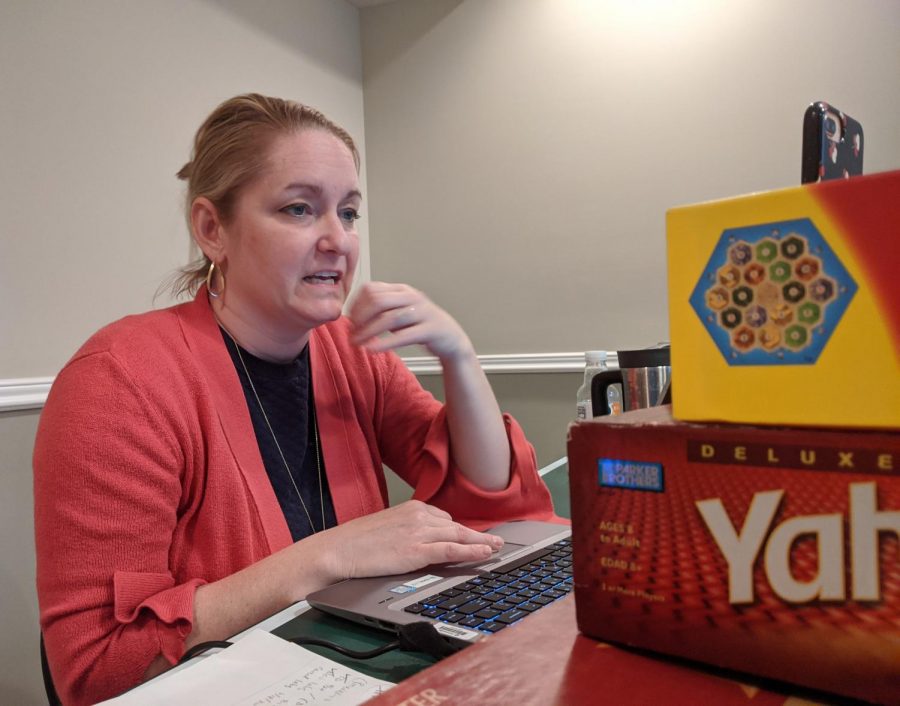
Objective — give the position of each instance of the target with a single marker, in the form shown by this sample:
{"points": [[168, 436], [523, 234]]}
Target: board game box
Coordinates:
{"points": [[784, 306], [771, 551]]}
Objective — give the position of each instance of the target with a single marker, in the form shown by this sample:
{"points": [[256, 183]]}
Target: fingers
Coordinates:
{"points": [[467, 545], [407, 537], [397, 339], [374, 298], [469, 536], [450, 553], [453, 543], [389, 327], [436, 525], [382, 308], [387, 316]]}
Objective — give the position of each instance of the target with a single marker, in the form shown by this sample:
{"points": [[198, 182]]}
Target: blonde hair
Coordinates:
{"points": [[231, 149]]}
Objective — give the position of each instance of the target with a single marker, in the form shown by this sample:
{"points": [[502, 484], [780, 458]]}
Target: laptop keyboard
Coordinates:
{"points": [[497, 599]]}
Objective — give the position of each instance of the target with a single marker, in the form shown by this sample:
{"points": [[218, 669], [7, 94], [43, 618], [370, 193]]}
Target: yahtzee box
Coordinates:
{"points": [[784, 306], [770, 551]]}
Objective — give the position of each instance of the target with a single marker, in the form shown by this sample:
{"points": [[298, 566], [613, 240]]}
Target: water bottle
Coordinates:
{"points": [[595, 362]]}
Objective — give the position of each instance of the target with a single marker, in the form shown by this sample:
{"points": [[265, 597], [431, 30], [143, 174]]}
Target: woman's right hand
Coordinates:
{"points": [[403, 538], [393, 541]]}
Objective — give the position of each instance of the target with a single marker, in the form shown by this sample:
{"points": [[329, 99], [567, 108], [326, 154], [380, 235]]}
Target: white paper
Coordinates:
{"points": [[260, 670]]}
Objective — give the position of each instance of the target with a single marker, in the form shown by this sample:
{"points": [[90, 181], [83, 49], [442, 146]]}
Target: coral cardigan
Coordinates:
{"points": [[148, 481]]}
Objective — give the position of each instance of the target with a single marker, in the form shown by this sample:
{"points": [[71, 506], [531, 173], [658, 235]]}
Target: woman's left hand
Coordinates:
{"points": [[387, 316]]}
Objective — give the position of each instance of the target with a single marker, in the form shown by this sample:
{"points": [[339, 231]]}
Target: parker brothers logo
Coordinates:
{"points": [[632, 475], [772, 294]]}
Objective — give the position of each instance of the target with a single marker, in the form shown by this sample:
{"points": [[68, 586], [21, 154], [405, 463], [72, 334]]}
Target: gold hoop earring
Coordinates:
{"points": [[209, 278]]}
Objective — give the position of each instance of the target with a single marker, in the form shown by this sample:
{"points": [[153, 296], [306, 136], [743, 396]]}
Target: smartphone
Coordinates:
{"points": [[832, 144]]}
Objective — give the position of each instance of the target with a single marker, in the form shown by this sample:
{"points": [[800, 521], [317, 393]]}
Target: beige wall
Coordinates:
{"points": [[20, 666], [522, 153], [100, 102]]}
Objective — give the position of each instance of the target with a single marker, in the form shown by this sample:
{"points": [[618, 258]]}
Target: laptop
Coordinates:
{"points": [[469, 600]]}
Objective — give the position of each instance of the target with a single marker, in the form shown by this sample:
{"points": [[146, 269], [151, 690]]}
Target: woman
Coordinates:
{"points": [[201, 467]]}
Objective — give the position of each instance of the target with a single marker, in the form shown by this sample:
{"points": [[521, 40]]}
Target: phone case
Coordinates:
{"points": [[832, 144]]}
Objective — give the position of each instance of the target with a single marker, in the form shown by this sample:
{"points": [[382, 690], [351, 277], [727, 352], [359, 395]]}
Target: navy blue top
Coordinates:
{"points": [[285, 390]]}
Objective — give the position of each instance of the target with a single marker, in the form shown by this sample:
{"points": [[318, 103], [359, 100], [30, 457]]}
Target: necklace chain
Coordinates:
{"points": [[278, 446]]}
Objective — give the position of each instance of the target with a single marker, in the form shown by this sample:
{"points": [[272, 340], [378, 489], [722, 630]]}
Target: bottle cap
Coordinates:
{"points": [[595, 356]]}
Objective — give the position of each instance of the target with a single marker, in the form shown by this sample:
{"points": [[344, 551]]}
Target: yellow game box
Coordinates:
{"points": [[784, 306]]}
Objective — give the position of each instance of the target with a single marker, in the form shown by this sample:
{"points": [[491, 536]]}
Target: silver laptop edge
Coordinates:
{"points": [[380, 601]]}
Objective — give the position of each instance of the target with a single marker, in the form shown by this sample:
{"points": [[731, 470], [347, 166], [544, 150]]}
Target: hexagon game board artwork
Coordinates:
{"points": [[772, 294]]}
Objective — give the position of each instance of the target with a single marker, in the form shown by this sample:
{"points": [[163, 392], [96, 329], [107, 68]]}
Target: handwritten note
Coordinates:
{"points": [[259, 670], [320, 684]]}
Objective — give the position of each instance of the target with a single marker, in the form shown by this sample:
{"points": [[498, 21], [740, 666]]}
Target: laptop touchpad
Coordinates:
{"points": [[506, 550]]}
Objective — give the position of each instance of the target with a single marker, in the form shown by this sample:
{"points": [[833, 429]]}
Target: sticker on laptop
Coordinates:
{"points": [[402, 589], [457, 632], [416, 584]]}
